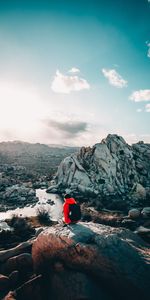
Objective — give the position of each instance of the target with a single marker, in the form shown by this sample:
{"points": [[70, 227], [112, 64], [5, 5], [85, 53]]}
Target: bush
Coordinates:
{"points": [[43, 216], [21, 227]]}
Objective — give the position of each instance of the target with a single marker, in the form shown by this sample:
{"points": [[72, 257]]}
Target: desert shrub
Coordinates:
{"points": [[43, 216], [21, 227]]}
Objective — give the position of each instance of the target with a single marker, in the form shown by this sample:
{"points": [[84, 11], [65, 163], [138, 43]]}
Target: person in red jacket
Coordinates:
{"points": [[68, 200]]}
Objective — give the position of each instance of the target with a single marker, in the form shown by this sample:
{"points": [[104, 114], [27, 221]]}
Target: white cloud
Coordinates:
{"points": [[114, 78], [139, 110], [141, 95], [74, 70], [147, 107], [65, 84]]}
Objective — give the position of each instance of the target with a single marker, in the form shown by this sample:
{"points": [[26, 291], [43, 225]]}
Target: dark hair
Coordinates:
{"points": [[67, 196]]}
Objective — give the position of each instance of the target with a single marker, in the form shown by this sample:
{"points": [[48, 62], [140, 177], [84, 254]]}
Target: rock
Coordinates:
{"points": [[10, 296], [146, 212], [14, 278], [38, 231], [4, 283], [142, 229], [138, 191], [134, 213], [129, 223], [104, 255], [144, 233], [30, 290], [4, 226], [22, 247], [110, 170], [22, 263]]}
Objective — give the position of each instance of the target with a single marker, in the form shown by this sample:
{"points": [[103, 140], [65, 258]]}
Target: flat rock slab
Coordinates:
{"points": [[116, 258]]}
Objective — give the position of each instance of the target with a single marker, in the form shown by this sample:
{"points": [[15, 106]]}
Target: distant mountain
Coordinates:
{"points": [[39, 157]]}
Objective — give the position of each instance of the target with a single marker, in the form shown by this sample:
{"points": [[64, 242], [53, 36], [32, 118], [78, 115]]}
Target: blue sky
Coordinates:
{"points": [[72, 72]]}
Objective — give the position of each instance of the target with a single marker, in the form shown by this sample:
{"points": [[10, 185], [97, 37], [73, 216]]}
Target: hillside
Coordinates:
{"points": [[37, 157]]}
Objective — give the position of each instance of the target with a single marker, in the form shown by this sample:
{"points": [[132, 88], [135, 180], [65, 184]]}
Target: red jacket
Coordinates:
{"points": [[66, 209]]}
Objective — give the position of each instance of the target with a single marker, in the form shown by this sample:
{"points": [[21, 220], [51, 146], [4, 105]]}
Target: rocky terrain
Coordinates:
{"points": [[35, 158], [17, 196], [25, 167], [106, 256], [83, 261], [44, 260], [111, 174]]}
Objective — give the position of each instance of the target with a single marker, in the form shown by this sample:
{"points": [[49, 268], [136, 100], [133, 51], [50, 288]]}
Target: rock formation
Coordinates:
{"points": [[92, 261], [111, 171]]}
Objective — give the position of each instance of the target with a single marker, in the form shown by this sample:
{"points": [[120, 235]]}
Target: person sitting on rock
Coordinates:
{"points": [[71, 210]]}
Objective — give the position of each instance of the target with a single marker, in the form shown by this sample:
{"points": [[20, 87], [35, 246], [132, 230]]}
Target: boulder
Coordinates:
{"points": [[111, 261], [109, 170], [134, 213], [146, 212], [22, 247], [138, 192], [4, 226], [144, 233], [21, 263]]}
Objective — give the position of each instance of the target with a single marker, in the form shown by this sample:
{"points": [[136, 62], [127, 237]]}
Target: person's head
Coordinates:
{"points": [[67, 196]]}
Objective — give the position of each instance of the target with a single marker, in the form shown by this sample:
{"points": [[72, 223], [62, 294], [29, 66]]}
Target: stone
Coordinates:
{"points": [[4, 226], [138, 191], [31, 289], [10, 296], [22, 263], [22, 247], [4, 283], [102, 255], [145, 212], [144, 233], [14, 278], [134, 213]]}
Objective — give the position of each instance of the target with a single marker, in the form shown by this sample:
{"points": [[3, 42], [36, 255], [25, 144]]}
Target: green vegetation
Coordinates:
{"points": [[43, 216]]}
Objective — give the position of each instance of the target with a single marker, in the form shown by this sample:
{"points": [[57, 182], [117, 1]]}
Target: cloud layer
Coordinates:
{"points": [[141, 95], [74, 70], [114, 78], [65, 84], [68, 128]]}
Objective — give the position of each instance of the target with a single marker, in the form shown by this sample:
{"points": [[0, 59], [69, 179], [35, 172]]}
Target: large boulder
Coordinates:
{"points": [[92, 261], [109, 170]]}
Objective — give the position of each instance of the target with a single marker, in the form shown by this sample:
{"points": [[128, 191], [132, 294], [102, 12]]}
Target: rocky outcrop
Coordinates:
{"points": [[92, 261], [115, 173]]}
